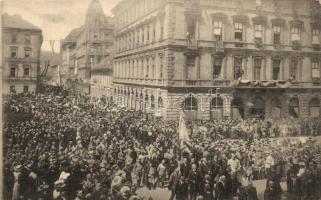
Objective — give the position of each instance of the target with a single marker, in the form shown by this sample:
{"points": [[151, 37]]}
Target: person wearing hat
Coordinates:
{"points": [[181, 189], [193, 180], [161, 170], [173, 180], [271, 193], [59, 193], [221, 189]]}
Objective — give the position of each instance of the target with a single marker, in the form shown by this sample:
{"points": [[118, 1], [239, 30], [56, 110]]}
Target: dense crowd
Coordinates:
{"points": [[256, 128], [71, 149]]}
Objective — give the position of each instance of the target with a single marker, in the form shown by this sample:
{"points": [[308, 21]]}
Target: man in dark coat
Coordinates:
{"points": [[221, 190], [271, 192], [181, 189], [193, 182], [173, 180]]}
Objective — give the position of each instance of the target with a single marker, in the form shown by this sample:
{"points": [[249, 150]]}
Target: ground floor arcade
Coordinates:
{"points": [[220, 103]]}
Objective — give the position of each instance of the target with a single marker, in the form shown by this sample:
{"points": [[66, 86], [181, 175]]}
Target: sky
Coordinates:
{"points": [[56, 18]]}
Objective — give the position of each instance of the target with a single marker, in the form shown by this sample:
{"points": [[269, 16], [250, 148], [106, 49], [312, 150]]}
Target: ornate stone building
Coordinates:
{"points": [[214, 59], [20, 54], [86, 46]]}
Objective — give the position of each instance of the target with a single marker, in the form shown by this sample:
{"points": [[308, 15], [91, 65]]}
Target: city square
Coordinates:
{"points": [[164, 100]]}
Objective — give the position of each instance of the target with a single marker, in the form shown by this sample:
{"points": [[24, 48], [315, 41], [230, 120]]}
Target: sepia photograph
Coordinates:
{"points": [[160, 100]]}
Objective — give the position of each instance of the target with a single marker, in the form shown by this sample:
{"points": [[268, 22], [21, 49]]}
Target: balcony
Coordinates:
{"points": [[274, 84], [191, 44], [141, 81], [296, 45], [219, 46], [199, 83]]}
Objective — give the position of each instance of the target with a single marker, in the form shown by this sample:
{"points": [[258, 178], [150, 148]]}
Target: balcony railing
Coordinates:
{"points": [[200, 83], [191, 44]]}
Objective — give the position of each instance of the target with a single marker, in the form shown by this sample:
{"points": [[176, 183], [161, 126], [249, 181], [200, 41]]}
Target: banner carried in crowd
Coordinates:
{"points": [[182, 130]]}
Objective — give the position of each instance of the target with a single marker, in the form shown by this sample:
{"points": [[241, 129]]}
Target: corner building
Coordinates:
{"points": [[86, 46], [218, 59], [20, 55]]}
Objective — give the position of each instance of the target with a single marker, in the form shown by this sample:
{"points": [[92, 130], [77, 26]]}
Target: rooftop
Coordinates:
{"points": [[73, 35], [16, 22]]}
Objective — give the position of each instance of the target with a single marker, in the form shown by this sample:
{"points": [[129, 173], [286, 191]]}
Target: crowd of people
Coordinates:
{"points": [[257, 128], [71, 149]]}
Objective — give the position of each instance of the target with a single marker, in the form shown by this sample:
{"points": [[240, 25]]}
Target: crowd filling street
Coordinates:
{"points": [[62, 146]]}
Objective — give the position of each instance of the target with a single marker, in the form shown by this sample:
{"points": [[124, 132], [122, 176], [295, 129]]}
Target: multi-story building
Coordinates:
{"points": [[214, 59], [86, 46], [20, 54]]}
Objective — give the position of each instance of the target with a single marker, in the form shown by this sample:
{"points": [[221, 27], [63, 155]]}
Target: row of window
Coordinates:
{"points": [[14, 52], [140, 68], [191, 104], [101, 36], [238, 69], [141, 36], [136, 11], [144, 102], [18, 38], [146, 68], [259, 32], [14, 71], [102, 80]]}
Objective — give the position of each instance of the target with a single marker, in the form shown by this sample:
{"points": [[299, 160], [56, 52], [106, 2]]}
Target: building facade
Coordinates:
{"points": [[219, 59], [20, 55], [86, 46], [101, 86]]}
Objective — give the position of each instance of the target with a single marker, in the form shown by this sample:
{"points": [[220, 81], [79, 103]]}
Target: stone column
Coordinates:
{"points": [[224, 66], [229, 68], [245, 68], [286, 68], [269, 68], [250, 68], [264, 63]]}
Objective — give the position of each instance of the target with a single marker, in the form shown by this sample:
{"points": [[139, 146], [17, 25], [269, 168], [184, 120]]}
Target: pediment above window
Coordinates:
{"points": [[244, 19], [316, 25], [297, 23], [260, 20], [220, 17], [278, 22]]}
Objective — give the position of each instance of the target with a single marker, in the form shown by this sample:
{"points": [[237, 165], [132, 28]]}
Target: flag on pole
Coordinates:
{"points": [[59, 76], [182, 130]]}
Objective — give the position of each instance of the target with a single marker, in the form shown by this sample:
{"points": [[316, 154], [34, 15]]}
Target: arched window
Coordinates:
{"points": [[216, 103], [257, 108], [275, 108], [237, 108], [314, 107], [216, 108], [294, 107], [190, 108], [190, 104]]}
